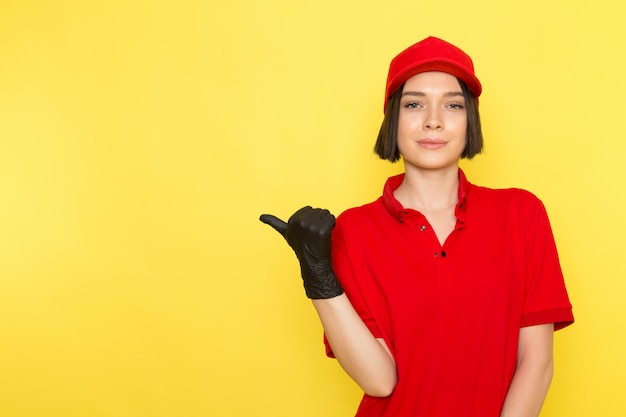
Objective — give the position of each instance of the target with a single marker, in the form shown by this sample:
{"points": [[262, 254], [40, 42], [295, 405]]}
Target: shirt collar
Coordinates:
{"points": [[395, 208]]}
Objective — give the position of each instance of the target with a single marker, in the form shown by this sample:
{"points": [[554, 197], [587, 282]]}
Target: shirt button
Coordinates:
{"points": [[422, 228], [436, 254]]}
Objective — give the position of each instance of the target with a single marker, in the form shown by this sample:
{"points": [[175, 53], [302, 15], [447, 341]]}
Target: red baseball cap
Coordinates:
{"points": [[431, 54]]}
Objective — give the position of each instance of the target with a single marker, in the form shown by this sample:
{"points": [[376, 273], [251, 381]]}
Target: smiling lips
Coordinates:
{"points": [[431, 143]]}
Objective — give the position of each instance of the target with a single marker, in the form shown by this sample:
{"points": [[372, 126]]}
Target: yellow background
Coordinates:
{"points": [[140, 141]]}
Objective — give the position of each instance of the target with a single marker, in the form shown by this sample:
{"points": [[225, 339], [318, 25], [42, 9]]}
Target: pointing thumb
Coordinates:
{"points": [[279, 225]]}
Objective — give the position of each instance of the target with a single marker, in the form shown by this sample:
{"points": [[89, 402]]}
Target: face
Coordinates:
{"points": [[432, 122]]}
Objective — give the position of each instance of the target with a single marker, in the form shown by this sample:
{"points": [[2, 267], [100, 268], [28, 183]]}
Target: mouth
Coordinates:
{"points": [[431, 143]]}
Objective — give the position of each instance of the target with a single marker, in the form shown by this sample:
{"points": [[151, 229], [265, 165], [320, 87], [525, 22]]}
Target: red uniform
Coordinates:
{"points": [[450, 314]]}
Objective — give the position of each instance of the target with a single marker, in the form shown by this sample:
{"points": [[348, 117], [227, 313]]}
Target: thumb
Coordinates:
{"points": [[279, 225]]}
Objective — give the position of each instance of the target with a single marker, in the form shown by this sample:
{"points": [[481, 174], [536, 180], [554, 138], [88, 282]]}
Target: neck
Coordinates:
{"points": [[429, 191]]}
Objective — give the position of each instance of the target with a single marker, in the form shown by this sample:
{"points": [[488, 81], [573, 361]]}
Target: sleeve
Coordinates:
{"points": [[545, 299], [344, 267]]}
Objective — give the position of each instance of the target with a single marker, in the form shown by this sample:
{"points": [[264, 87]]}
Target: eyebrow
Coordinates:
{"points": [[420, 94]]}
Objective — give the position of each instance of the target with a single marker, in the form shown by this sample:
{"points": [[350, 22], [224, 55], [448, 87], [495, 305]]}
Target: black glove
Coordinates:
{"points": [[308, 234]]}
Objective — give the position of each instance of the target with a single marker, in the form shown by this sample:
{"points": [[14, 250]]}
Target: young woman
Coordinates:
{"points": [[441, 297]]}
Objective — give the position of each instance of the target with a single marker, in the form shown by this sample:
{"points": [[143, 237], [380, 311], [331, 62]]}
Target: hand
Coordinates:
{"points": [[308, 233]]}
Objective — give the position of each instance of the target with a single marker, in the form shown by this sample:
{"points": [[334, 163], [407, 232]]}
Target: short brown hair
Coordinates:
{"points": [[387, 142]]}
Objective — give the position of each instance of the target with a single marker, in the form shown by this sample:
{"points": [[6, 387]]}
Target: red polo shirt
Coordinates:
{"points": [[450, 314]]}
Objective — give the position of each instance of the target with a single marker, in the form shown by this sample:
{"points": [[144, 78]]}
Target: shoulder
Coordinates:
{"points": [[514, 197], [359, 223], [515, 207], [358, 214]]}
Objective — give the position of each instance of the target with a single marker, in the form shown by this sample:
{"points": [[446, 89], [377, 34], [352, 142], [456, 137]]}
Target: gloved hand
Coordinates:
{"points": [[308, 233]]}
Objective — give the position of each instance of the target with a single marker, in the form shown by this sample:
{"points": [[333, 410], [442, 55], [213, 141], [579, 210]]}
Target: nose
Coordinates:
{"points": [[433, 120]]}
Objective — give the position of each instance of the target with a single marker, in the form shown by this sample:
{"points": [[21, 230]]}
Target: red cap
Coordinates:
{"points": [[431, 54]]}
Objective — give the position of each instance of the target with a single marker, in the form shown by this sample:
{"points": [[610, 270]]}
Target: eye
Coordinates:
{"points": [[458, 106], [412, 105]]}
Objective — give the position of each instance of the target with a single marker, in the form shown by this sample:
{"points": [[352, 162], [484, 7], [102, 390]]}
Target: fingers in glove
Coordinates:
{"points": [[313, 221]]}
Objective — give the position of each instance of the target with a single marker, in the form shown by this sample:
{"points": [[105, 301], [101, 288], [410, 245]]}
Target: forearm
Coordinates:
{"points": [[364, 358], [528, 391], [533, 375]]}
